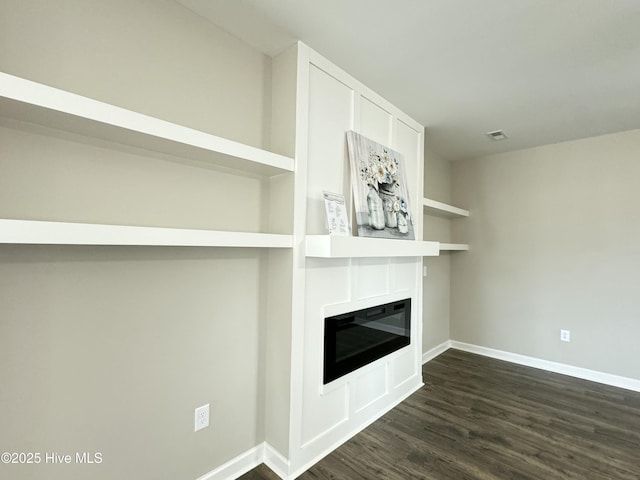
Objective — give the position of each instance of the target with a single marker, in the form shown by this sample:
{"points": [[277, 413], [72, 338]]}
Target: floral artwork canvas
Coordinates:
{"points": [[380, 190]]}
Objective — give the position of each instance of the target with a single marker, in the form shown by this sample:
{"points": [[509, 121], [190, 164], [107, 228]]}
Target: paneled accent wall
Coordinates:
{"points": [[332, 103]]}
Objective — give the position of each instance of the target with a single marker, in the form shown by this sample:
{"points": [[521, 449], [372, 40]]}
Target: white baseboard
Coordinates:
{"points": [[564, 369], [435, 351], [237, 466], [276, 461]]}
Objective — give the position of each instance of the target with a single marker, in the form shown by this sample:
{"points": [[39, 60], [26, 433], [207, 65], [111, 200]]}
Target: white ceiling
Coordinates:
{"points": [[545, 71]]}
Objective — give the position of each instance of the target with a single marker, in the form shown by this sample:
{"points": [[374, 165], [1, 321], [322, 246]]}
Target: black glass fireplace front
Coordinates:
{"points": [[354, 339]]}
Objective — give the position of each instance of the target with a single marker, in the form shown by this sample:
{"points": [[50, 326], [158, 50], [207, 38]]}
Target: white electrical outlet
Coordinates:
{"points": [[202, 417], [424, 271], [565, 335]]}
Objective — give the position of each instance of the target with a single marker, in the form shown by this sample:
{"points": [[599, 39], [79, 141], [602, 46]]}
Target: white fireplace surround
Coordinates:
{"points": [[333, 275]]}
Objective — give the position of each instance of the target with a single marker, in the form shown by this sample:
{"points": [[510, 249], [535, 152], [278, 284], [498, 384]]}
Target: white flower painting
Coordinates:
{"points": [[379, 189]]}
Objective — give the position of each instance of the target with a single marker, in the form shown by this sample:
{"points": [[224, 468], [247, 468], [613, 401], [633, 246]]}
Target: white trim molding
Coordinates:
{"points": [[435, 351], [564, 369], [277, 462], [237, 466]]}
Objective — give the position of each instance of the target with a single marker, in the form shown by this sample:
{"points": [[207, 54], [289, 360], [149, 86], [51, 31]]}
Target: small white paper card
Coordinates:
{"points": [[337, 219]]}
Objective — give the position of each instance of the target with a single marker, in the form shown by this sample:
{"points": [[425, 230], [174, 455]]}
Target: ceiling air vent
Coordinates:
{"points": [[497, 135]]}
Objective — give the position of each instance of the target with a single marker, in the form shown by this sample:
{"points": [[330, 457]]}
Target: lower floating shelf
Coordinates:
{"points": [[335, 246], [62, 233], [453, 247]]}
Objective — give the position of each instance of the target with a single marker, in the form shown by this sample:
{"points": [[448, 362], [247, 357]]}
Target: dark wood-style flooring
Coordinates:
{"points": [[480, 418]]}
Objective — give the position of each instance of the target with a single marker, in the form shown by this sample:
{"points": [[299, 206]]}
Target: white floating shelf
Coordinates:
{"points": [[33, 102], [61, 233], [453, 247], [433, 207], [336, 246]]}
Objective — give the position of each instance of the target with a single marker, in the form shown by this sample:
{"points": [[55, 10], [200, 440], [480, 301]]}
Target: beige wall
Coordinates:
{"points": [[554, 244], [51, 176], [436, 286], [150, 56], [106, 349], [110, 349]]}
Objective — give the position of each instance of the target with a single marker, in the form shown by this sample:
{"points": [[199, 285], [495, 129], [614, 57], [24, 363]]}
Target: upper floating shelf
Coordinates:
{"points": [[336, 246], [30, 232], [33, 102], [433, 207]]}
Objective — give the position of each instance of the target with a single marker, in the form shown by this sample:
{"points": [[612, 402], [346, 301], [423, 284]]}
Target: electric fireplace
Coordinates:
{"points": [[355, 339]]}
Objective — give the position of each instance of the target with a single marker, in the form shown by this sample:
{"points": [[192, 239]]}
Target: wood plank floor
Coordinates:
{"points": [[480, 418]]}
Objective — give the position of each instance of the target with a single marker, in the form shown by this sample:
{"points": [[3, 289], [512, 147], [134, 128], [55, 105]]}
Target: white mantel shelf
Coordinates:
{"points": [[62, 233], [32, 102], [433, 207], [336, 246]]}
